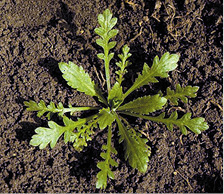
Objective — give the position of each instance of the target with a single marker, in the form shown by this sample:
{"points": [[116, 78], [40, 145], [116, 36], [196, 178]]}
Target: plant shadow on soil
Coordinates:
{"points": [[211, 184], [52, 67]]}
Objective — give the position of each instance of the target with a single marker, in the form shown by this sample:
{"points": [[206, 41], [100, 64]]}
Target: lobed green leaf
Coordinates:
{"points": [[106, 22], [106, 32], [160, 68], [181, 93], [45, 136], [123, 63], [144, 105], [77, 78], [83, 132], [168, 62], [136, 150], [104, 166], [41, 108], [196, 125]]}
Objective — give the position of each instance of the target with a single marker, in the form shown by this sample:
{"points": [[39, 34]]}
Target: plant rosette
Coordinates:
{"points": [[113, 110]]}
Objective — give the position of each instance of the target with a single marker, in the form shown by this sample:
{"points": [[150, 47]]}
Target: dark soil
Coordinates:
{"points": [[36, 35]]}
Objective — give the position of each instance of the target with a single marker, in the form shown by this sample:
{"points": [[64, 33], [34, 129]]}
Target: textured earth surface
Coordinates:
{"points": [[36, 35]]}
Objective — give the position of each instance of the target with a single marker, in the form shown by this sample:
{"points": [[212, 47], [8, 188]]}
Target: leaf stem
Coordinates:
{"points": [[77, 109], [71, 109], [107, 69], [156, 119], [109, 136]]}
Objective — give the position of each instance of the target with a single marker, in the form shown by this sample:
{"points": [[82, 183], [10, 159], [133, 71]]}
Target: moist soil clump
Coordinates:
{"points": [[36, 35]]}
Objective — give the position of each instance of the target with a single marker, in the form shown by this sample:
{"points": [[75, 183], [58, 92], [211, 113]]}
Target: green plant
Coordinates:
{"points": [[80, 131]]}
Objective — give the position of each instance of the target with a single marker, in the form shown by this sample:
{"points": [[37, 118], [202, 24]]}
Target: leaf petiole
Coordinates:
{"points": [[156, 119], [107, 70], [76, 109]]}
